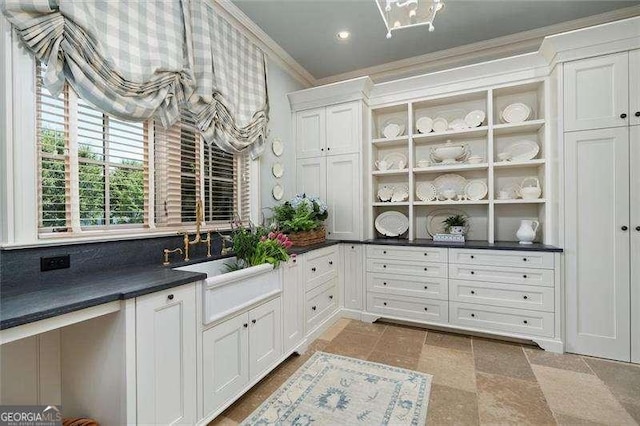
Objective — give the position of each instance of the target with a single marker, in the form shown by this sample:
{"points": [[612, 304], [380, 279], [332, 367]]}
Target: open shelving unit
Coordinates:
{"points": [[491, 219]]}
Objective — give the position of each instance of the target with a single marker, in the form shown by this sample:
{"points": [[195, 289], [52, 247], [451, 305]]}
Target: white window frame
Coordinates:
{"points": [[19, 192]]}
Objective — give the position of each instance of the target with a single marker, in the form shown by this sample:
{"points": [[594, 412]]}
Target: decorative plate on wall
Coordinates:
{"points": [[277, 192], [392, 224], [277, 147], [277, 170]]}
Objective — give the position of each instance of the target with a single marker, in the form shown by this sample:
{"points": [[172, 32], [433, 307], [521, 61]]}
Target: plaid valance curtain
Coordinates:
{"points": [[151, 59]]}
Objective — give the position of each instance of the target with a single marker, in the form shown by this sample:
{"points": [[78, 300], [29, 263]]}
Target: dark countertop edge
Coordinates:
{"points": [[306, 249], [473, 244]]}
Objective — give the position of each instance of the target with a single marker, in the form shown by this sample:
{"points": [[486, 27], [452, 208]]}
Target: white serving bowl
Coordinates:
{"points": [[448, 153]]}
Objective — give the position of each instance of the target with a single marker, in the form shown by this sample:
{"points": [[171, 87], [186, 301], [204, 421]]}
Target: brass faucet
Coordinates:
{"points": [[167, 252], [196, 240]]}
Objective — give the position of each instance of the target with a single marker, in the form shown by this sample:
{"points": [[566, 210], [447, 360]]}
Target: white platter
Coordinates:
{"points": [[426, 191], [392, 224], [385, 192], [393, 159], [516, 113], [435, 218], [277, 170], [277, 192], [475, 118], [400, 193], [440, 124], [523, 150], [424, 124], [476, 190], [450, 181], [458, 124], [277, 147], [393, 127]]}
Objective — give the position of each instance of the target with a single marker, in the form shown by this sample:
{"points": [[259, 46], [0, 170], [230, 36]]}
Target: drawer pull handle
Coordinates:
{"points": [[384, 266], [426, 254], [637, 114], [425, 269], [524, 276], [352, 247], [426, 309], [384, 252], [384, 283], [313, 308], [623, 115], [331, 262], [473, 257], [525, 297], [331, 297], [426, 287], [253, 321], [524, 259], [473, 315], [473, 292], [313, 269], [245, 325], [473, 273], [170, 297], [526, 322], [294, 260], [384, 303]]}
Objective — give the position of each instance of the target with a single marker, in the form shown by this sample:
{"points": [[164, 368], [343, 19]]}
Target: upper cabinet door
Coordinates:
{"points": [[310, 133], [634, 86], [343, 130], [311, 177], [343, 197], [597, 232], [596, 93]]}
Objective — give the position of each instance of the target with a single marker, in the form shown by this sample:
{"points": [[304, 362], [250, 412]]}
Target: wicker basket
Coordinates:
{"points": [[308, 238]]}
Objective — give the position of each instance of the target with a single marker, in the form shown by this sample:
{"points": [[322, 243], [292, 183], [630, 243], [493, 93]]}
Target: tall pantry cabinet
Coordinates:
{"points": [[602, 205], [329, 131]]}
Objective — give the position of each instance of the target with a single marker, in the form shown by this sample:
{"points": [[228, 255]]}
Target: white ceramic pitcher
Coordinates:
{"points": [[527, 231]]}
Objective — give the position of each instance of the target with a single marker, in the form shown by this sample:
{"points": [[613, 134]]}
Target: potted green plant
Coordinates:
{"points": [[456, 224], [255, 246], [302, 219]]}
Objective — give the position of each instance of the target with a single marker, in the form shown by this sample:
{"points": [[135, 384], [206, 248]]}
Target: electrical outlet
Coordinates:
{"points": [[55, 262]]}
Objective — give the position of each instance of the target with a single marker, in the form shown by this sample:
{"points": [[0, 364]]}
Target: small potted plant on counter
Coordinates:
{"points": [[456, 224], [302, 219], [255, 246]]}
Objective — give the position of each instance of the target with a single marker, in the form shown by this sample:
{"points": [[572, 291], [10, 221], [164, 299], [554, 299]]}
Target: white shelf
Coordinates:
{"points": [[515, 164], [400, 140], [451, 168], [521, 201], [389, 204], [526, 126], [452, 203], [476, 131], [394, 172]]}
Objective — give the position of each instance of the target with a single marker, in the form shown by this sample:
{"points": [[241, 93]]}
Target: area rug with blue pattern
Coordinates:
{"points": [[336, 390]]}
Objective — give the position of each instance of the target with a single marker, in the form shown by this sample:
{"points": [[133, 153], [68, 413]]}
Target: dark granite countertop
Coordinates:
{"points": [[477, 245], [302, 250], [86, 290]]}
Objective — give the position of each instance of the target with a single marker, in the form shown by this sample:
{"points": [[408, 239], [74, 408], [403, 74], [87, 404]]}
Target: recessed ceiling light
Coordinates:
{"points": [[343, 35]]}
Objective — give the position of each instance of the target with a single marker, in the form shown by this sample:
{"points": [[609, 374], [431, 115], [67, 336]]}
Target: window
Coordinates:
{"points": [[97, 172]]}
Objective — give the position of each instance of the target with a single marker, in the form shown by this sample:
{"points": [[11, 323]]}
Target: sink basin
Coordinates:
{"points": [[225, 293]]}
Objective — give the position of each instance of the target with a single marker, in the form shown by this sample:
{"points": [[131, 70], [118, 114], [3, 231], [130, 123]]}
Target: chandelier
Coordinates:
{"points": [[398, 14]]}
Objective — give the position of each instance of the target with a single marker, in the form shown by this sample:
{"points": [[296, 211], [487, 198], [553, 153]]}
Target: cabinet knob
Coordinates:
{"points": [[473, 273], [253, 321], [624, 227], [328, 148], [473, 315], [638, 228], [473, 257], [637, 114], [331, 297], [321, 149], [313, 269], [524, 259], [384, 266], [294, 260], [384, 283], [425, 269], [426, 254], [170, 297], [473, 292], [426, 287], [623, 115], [525, 297], [524, 276], [331, 262], [313, 308], [245, 325], [526, 322], [426, 309], [384, 252], [352, 247], [384, 303]]}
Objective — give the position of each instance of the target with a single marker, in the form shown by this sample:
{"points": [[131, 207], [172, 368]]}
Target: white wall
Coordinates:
{"points": [[279, 83]]}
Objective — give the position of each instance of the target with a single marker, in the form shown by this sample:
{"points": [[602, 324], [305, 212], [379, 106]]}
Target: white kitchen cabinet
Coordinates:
{"points": [[597, 242], [292, 304], [343, 128], [352, 276], [596, 92], [225, 350], [165, 356], [265, 336], [310, 133], [343, 197], [635, 239], [311, 177], [634, 87]]}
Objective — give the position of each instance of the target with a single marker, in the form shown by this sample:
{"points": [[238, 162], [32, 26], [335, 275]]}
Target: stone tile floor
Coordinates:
{"points": [[477, 380]]}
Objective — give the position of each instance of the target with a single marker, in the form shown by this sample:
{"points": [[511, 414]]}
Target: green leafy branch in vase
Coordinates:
{"points": [[301, 214]]}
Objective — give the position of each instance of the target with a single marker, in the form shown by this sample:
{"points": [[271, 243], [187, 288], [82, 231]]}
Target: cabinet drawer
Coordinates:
{"points": [[410, 308], [407, 285], [429, 254], [320, 266], [543, 277], [321, 303], [517, 321], [502, 258], [536, 298], [418, 269]]}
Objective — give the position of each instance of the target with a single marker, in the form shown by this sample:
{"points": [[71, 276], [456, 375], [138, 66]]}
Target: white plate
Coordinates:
{"points": [[278, 170], [392, 128], [435, 218], [277, 192], [424, 124], [450, 181], [425, 191], [475, 118], [392, 224], [400, 193], [385, 193], [458, 124], [516, 113], [476, 190], [440, 124], [393, 159], [277, 147], [523, 150]]}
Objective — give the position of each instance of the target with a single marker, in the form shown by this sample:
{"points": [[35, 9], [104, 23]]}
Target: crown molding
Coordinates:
{"points": [[487, 50], [273, 50], [357, 89]]}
